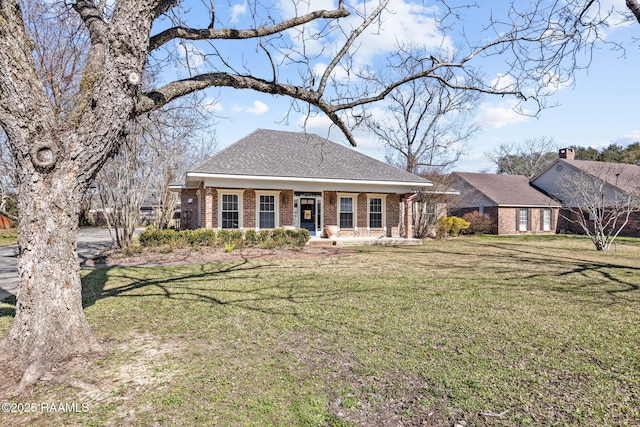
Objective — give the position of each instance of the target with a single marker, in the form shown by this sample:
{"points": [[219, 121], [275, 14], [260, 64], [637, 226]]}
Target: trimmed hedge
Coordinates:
{"points": [[153, 237]]}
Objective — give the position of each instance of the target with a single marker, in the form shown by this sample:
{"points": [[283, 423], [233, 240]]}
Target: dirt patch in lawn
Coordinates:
{"points": [[168, 255]]}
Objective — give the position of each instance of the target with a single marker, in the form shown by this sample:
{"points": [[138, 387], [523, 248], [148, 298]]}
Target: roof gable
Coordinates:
{"points": [[507, 190], [625, 176], [270, 153]]}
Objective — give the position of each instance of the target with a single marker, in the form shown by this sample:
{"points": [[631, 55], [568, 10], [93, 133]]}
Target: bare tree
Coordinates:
{"points": [[122, 187], [431, 204], [155, 152], [59, 147], [179, 138], [600, 202], [424, 124], [529, 157]]}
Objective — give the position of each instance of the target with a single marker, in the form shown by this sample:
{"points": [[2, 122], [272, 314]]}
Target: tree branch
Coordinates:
{"points": [[233, 34], [352, 38], [634, 7]]}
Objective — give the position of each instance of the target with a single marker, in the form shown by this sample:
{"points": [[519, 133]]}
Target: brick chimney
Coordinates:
{"points": [[567, 153]]}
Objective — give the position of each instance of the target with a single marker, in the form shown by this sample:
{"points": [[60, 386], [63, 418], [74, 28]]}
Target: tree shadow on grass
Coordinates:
{"points": [[189, 286], [198, 285], [93, 284], [518, 264], [532, 264]]}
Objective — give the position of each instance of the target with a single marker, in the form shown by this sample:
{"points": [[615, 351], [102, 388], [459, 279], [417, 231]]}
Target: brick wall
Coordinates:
{"points": [[330, 210], [189, 211], [632, 229], [393, 215], [505, 219], [249, 208], [286, 209], [363, 208], [509, 221]]}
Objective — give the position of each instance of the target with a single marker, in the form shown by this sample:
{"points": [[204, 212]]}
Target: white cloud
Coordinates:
{"points": [[403, 22], [406, 22], [212, 104], [237, 11], [626, 139], [500, 115], [503, 82], [258, 108], [319, 124], [190, 56]]}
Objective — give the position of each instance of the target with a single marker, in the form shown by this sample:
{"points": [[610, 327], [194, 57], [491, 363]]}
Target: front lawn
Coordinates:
{"points": [[8, 237], [489, 331]]}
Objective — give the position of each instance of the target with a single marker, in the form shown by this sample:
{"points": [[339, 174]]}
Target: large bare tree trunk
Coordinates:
{"points": [[49, 325], [56, 157]]}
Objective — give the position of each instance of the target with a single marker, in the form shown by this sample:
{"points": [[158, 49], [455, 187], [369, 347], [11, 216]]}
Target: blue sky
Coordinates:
{"points": [[599, 109]]}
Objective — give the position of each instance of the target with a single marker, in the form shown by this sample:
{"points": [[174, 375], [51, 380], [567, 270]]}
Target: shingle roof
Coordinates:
{"points": [[625, 176], [300, 155], [507, 190]]}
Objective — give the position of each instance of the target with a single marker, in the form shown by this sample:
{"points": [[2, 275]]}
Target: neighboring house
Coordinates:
{"points": [[5, 222], [272, 179], [513, 206], [560, 180]]}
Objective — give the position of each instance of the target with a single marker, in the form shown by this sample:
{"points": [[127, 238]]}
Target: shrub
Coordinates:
{"points": [[251, 238], [224, 237], [479, 223], [153, 237], [265, 236], [300, 237], [279, 236], [451, 226], [200, 237]]}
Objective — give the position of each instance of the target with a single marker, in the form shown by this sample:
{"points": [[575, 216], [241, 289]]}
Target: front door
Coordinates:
{"points": [[308, 214]]}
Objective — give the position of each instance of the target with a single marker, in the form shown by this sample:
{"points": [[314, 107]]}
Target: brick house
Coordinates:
{"points": [[5, 222], [512, 204], [271, 179], [613, 180]]}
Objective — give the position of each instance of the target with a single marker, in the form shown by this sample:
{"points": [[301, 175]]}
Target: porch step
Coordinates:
{"points": [[363, 241], [321, 242]]}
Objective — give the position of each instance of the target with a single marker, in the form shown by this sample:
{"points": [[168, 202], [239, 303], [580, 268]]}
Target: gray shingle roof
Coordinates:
{"points": [[625, 176], [300, 155], [507, 190]]}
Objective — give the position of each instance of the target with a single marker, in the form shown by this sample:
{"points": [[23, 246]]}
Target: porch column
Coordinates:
{"points": [[208, 207], [408, 218]]}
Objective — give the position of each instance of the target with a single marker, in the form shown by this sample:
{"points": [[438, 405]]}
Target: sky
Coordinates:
{"points": [[598, 109]]}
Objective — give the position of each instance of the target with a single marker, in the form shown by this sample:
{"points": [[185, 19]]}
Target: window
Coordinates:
{"points": [[346, 212], [267, 211], [546, 219], [230, 211], [523, 219], [375, 212]]}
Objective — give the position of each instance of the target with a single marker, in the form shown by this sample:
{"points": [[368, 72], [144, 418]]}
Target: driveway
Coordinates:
{"points": [[91, 241]]}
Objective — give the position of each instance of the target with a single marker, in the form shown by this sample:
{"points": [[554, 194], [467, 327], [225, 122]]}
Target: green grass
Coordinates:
{"points": [[491, 331], [8, 237]]}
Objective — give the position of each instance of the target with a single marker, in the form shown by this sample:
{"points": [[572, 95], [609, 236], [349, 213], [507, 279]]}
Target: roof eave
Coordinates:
{"points": [[408, 184]]}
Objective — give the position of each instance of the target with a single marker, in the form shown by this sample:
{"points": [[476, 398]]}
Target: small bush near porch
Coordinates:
{"points": [[491, 331]]}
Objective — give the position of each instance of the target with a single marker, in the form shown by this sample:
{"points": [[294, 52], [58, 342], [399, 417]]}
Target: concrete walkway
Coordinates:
{"points": [[91, 241]]}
